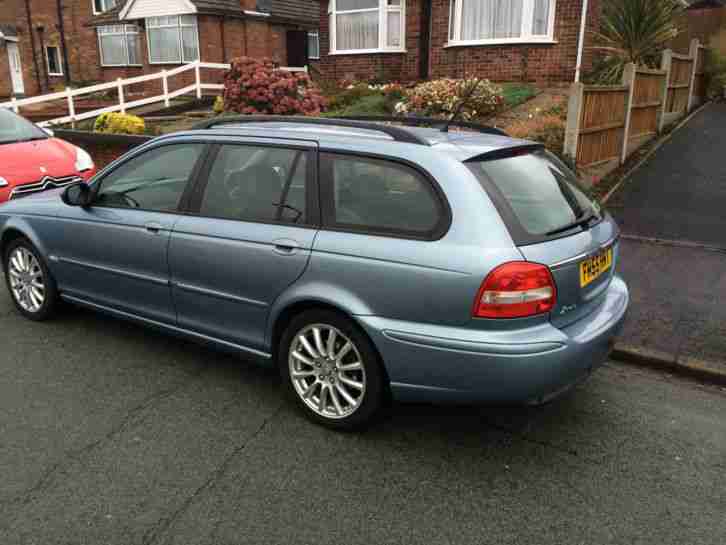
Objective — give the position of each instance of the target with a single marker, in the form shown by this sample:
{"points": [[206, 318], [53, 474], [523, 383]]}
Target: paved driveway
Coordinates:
{"points": [[678, 288], [111, 434], [680, 193]]}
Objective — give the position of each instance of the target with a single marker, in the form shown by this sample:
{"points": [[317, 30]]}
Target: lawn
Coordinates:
{"points": [[517, 93]]}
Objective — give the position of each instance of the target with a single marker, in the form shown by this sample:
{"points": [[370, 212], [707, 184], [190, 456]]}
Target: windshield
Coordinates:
{"points": [[14, 128], [541, 192]]}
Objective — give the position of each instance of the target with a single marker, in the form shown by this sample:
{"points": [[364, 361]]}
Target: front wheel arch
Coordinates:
{"points": [[7, 238]]}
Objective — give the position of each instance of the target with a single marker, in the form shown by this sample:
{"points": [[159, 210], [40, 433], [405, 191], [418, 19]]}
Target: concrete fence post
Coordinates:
{"points": [[121, 102], [574, 120], [693, 53], [629, 75], [665, 65]]}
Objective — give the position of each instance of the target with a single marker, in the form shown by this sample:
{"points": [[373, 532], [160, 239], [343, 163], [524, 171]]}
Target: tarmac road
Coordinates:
{"points": [[112, 434]]}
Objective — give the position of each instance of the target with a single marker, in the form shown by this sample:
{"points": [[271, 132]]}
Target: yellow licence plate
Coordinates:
{"points": [[594, 266]]}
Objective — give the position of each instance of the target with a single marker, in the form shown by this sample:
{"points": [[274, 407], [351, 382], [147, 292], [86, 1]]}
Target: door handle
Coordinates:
{"points": [[154, 227], [285, 246]]}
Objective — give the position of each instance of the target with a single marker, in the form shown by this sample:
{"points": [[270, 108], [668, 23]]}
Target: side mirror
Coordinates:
{"points": [[77, 195], [49, 132]]}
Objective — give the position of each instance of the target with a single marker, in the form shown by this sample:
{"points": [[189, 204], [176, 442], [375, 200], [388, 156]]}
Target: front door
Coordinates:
{"points": [[16, 68], [114, 252], [248, 238], [297, 47]]}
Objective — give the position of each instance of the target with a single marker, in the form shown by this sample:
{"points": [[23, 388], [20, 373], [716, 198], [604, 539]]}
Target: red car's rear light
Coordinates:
{"points": [[516, 290]]}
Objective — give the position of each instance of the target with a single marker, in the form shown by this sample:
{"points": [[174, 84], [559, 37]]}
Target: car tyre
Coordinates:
{"points": [[338, 382], [30, 283]]}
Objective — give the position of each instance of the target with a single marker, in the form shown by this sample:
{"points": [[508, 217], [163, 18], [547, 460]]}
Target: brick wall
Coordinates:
{"points": [[543, 64], [103, 148]]}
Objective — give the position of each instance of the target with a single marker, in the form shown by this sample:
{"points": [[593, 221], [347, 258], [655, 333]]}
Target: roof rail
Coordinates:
{"points": [[427, 121], [397, 133]]}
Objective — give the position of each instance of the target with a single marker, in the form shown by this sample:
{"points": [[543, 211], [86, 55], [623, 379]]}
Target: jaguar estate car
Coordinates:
{"points": [[365, 260], [32, 160]]}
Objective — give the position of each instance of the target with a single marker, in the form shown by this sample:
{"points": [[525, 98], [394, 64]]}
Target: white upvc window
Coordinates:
{"points": [[367, 26], [100, 6], [53, 60], [172, 39], [313, 45], [119, 45], [482, 22]]}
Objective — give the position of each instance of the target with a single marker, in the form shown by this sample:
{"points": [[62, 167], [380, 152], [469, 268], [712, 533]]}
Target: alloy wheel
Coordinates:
{"points": [[27, 283], [327, 371]]}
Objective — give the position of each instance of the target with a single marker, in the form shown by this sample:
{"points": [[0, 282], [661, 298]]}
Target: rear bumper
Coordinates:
{"points": [[438, 363]]}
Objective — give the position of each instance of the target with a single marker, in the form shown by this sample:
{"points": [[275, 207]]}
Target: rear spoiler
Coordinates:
{"points": [[503, 153]]}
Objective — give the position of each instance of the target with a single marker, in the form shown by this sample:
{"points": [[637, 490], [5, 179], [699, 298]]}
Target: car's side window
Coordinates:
{"points": [[379, 196], [257, 183], [154, 180]]}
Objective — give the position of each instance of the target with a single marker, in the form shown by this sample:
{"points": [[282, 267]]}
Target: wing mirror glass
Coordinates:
{"points": [[77, 195]]}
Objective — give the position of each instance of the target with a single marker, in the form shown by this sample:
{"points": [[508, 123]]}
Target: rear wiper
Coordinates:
{"points": [[584, 222]]}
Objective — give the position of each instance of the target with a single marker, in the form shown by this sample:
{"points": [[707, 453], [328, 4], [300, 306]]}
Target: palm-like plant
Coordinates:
{"points": [[634, 31]]}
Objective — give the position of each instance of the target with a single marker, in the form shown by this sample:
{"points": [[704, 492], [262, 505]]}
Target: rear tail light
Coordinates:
{"points": [[516, 290]]}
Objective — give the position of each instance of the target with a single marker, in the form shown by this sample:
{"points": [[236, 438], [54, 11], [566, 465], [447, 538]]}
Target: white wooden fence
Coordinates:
{"points": [[122, 105]]}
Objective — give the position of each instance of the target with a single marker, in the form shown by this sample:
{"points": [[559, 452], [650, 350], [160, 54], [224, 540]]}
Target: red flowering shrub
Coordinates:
{"points": [[255, 86]]}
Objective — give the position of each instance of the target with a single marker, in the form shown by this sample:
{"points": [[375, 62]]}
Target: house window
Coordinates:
{"points": [[313, 45], [501, 21], [366, 26], [119, 45], [99, 6], [172, 39], [53, 58]]}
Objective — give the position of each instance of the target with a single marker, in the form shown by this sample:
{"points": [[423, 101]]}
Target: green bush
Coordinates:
{"points": [[118, 123], [218, 107], [715, 74]]}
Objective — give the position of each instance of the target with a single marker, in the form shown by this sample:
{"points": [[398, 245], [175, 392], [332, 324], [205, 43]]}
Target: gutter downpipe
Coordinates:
{"points": [[581, 43]]}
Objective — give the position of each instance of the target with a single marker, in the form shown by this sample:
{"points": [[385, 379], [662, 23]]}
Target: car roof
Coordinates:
{"points": [[459, 144]]}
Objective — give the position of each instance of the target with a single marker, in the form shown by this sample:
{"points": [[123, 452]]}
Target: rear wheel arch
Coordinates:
{"points": [[286, 316]]}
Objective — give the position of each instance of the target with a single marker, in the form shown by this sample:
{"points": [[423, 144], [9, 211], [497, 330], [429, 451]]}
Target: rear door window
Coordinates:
{"points": [[379, 196], [257, 183], [535, 192]]}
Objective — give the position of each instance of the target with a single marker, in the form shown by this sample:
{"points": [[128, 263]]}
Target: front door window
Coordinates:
{"points": [[155, 180]]}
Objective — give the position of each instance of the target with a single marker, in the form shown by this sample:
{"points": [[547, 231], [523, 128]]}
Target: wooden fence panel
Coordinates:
{"points": [[699, 84], [679, 84], [647, 101], [602, 124]]}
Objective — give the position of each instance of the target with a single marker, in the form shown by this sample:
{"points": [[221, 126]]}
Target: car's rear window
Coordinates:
{"points": [[542, 194], [380, 196]]}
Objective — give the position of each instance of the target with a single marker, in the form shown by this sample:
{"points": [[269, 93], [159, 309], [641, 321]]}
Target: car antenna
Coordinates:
{"points": [[460, 106]]}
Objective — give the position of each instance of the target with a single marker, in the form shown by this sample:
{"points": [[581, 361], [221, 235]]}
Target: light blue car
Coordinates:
{"points": [[366, 260]]}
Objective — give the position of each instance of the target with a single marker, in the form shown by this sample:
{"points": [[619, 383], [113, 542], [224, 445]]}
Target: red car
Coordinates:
{"points": [[32, 160]]}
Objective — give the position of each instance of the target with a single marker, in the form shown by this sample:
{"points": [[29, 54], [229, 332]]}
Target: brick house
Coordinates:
{"points": [[100, 40], [704, 20], [503, 40]]}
